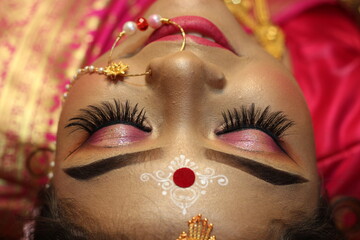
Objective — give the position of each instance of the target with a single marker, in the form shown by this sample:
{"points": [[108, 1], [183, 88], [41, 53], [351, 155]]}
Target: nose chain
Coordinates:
{"points": [[116, 71]]}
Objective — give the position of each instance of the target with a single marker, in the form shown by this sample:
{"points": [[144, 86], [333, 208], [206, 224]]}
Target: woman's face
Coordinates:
{"points": [[211, 112]]}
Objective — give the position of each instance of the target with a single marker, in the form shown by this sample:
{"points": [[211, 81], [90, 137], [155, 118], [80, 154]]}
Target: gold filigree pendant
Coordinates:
{"points": [[115, 70], [199, 229]]}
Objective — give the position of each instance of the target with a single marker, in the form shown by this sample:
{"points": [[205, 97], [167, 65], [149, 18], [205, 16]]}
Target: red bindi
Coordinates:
{"points": [[184, 177]]}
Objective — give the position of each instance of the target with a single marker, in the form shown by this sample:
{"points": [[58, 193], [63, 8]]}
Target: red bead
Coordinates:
{"points": [[142, 24], [184, 177]]}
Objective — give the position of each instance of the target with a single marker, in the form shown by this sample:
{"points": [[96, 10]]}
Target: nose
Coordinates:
{"points": [[181, 82], [184, 72]]}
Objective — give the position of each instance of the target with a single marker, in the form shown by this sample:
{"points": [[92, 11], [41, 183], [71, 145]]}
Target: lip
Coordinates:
{"points": [[192, 24]]}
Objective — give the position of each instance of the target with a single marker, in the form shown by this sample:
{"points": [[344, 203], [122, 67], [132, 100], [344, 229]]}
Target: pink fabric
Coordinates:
{"points": [[295, 7], [113, 19], [326, 61]]}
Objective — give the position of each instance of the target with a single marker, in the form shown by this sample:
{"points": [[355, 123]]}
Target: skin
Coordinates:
{"points": [[184, 98]]}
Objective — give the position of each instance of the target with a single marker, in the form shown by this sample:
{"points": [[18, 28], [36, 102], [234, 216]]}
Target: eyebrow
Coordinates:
{"points": [[100, 167], [264, 172]]}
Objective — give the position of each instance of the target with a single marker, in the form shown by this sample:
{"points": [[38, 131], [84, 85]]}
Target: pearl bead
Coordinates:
{"points": [[79, 71], [101, 70], [91, 69], [129, 28], [155, 21]]}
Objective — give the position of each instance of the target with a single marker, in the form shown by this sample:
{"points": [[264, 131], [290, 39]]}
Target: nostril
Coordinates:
{"points": [[215, 78], [154, 68], [149, 78]]}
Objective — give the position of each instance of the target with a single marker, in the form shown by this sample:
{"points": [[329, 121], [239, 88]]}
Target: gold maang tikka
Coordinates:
{"points": [[118, 70], [198, 229]]}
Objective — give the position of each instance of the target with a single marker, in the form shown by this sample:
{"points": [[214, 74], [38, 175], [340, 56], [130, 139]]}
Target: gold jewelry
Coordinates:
{"points": [[199, 229], [117, 71], [38, 160], [353, 7], [254, 14]]}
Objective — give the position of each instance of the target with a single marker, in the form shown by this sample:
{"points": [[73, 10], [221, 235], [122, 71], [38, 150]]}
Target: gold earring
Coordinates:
{"points": [[254, 14], [114, 71]]}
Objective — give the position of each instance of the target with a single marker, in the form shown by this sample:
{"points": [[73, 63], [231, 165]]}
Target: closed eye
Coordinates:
{"points": [[111, 123], [108, 113], [253, 126]]}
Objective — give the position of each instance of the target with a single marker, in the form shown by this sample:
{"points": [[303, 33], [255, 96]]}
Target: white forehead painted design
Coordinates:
{"points": [[184, 197]]}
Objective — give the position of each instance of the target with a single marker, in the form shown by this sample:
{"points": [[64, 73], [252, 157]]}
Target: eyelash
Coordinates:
{"points": [[95, 117], [107, 113], [272, 123]]}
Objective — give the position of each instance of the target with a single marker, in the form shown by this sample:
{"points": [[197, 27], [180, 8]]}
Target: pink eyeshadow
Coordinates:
{"points": [[251, 140], [117, 135]]}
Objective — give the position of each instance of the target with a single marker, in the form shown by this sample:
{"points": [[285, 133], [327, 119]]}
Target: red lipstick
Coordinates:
{"points": [[206, 32]]}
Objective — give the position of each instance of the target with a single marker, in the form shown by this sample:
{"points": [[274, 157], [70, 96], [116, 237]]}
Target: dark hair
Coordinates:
{"points": [[319, 226], [54, 222]]}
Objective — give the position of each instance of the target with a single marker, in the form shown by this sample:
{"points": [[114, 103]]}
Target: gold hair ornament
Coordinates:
{"points": [[199, 229], [254, 14], [117, 71]]}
